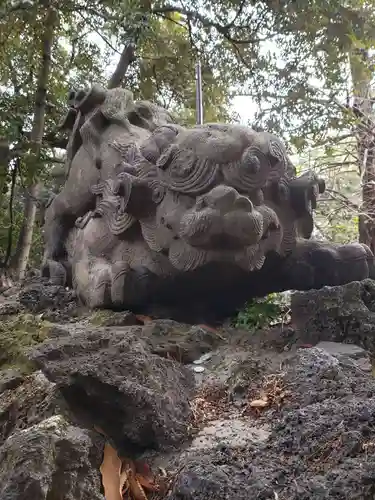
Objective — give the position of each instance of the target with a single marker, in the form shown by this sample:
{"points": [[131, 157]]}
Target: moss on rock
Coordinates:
{"points": [[18, 333], [106, 317], [100, 317]]}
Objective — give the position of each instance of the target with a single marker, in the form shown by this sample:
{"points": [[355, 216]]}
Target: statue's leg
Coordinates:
{"points": [[92, 282], [60, 218], [54, 271], [130, 287]]}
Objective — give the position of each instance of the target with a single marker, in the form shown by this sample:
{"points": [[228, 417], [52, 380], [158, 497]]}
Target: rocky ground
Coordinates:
{"points": [[222, 413]]}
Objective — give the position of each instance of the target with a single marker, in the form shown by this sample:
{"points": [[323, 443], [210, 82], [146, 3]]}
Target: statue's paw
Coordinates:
{"points": [[340, 264], [130, 286], [54, 271], [354, 259], [98, 293]]}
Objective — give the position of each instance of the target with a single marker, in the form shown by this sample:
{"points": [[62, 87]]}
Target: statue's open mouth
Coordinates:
{"points": [[223, 242]]}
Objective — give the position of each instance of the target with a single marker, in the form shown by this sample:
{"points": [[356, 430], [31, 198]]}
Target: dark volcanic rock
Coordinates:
{"points": [[341, 314], [51, 460], [40, 296], [28, 403], [10, 379], [110, 379], [181, 342], [9, 306], [321, 444]]}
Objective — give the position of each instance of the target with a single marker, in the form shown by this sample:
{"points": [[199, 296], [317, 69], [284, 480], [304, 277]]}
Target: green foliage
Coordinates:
{"points": [[336, 216], [86, 37], [18, 333], [259, 313]]}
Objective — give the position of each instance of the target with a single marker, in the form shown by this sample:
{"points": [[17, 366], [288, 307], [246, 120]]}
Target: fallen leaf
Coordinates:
{"points": [[124, 481], [110, 470], [143, 319], [137, 492], [163, 472], [147, 482], [208, 328]]}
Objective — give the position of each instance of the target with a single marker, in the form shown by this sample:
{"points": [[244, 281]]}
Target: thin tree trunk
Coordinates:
{"points": [[365, 134], [21, 257], [126, 58]]}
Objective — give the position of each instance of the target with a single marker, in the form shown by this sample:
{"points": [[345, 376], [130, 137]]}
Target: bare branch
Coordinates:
{"points": [[206, 23], [126, 59]]}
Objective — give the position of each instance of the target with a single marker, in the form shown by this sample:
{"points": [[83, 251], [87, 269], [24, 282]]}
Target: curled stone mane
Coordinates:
{"points": [[155, 216]]}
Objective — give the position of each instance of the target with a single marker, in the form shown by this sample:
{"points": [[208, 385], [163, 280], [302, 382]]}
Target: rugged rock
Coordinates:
{"points": [[110, 379], [51, 460], [309, 435], [339, 314], [10, 379], [38, 297], [184, 343], [318, 444], [26, 403]]}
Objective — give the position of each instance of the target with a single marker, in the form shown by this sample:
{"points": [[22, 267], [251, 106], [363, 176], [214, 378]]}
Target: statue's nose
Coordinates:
{"points": [[227, 199]]}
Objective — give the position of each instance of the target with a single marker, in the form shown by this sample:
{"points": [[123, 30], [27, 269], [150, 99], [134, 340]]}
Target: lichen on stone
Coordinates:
{"points": [[18, 333]]}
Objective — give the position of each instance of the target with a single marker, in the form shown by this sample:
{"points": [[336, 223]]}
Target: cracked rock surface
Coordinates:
{"points": [[309, 435]]}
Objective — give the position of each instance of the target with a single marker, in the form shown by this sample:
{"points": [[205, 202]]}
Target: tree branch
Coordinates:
{"points": [[206, 23], [126, 59]]}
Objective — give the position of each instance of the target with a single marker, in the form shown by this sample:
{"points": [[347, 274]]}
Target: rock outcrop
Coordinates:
{"points": [[52, 459], [341, 313], [111, 380], [266, 419]]}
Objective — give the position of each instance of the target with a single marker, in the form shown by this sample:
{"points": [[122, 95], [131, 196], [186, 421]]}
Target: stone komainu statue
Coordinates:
{"points": [[186, 222]]}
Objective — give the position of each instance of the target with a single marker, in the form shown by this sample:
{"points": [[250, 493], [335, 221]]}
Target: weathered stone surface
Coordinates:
{"points": [[338, 349], [51, 460], [110, 379], [184, 343], [315, 442], [162, 219], [235, 433], [10, 379], [111, 318], [321, 444], [40, 296], [337, 314], [9, 306], [27, 404]]}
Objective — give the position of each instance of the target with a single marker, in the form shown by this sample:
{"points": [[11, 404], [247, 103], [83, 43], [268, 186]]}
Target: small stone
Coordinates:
{"points": [[203, 358], [198, 369], [340, 349]]}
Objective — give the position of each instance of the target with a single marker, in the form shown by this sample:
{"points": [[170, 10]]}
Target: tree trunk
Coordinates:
{"points": [[365, 135], [127, 57], [21, 256]]}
